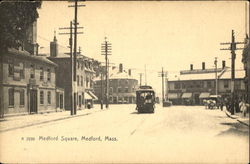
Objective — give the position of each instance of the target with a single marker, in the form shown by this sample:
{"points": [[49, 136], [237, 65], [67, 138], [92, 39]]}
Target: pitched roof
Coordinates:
{"points": [[27, 55]]}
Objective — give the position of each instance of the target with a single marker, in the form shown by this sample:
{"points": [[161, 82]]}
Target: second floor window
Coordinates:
{"points": [[11, 68], [81, 81], [32, 71], [49, 75], [77, 80], [41, 74]]}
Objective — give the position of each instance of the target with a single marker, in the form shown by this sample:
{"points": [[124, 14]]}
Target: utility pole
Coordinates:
{"points": [[140, 78], [216, 77], [101, 88], [232, 48], [145, 74], [162, 74], [75, 55], [71, 59], [106, 50]]}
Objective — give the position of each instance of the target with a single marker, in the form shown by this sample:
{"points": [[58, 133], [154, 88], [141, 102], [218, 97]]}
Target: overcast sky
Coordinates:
{"points": [[158, 34]]}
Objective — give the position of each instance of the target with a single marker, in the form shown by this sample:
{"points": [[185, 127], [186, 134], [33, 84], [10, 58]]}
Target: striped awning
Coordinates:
{"points": [[204, 95], [172, 96], [186, 95], [93, 95], [87, 96]]}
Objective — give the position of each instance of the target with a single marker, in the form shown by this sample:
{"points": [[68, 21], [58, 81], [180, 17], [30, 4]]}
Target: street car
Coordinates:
{"points": [[145, 99]]}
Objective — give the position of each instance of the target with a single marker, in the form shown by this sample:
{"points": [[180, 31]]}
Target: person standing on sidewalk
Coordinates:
{"points": [[243, 107]]}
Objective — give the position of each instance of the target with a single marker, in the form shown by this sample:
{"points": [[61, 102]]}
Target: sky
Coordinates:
{"points": [[169, 34]]}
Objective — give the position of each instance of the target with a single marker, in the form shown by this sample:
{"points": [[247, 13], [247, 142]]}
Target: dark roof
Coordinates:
{"points": [[27, 55]]}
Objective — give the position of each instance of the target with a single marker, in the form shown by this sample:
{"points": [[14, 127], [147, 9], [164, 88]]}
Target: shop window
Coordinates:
{"points": [[22, 97], [11, 97], [49, 97], [41, 97], [226, 83], [177, 85]]}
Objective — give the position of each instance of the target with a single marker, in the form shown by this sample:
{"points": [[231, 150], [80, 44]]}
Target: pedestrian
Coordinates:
{"points": [[243, 107], [221, 104]]}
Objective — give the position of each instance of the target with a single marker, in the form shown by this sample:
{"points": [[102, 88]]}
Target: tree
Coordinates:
{"points": [[15, 19]]}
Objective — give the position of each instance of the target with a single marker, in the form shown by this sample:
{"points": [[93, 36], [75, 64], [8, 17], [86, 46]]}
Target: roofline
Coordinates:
{"points": [[26, 54]]}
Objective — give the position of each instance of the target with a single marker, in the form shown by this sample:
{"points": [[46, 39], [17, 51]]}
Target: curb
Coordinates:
{"points": [[48, 121], [236, 117]]}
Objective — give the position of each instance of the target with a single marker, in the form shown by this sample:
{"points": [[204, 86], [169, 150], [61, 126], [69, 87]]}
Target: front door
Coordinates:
{"points": [[61, 101], [33, 101]]}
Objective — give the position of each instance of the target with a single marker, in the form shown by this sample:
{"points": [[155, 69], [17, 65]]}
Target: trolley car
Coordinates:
{"points": [[145, 99]]}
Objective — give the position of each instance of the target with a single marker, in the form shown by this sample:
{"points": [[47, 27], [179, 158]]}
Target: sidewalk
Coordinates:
{"points": [[23, 121], [239, 117]]}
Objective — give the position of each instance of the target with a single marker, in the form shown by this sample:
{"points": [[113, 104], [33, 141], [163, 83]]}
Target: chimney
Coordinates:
{"points": [[54, 47], [120, 68], [203, 66], [223, 63], [129, 72], [191, 67]]}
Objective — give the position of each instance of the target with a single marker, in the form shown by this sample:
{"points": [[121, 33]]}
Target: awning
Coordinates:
{"points": [[172, 96], [204, 95], [93, 95], [87, 96], [186, 95]]}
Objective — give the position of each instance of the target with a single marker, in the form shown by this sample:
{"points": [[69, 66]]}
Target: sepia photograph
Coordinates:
{"points": [[124, 81]]}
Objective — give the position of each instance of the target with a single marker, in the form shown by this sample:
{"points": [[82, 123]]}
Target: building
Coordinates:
{"points": [[64, 79], [122, 86], [246, 63], [27, 83], [194, 85], [27, 79]]}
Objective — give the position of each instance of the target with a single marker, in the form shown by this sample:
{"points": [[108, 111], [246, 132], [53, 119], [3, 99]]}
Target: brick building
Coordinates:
{"points": [[84, 76], [122, 86], [194, 85]]}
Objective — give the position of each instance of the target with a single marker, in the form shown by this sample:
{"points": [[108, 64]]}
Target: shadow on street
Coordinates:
{"points": [[236, 129]]}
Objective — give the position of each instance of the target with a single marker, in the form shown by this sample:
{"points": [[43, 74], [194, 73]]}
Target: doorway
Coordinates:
{"points": [[33, 101]]}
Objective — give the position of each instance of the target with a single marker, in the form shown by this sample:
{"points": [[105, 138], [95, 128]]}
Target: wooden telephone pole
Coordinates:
{"points": [[162, 74], [232, 48], [106, 50], [72, 63]]}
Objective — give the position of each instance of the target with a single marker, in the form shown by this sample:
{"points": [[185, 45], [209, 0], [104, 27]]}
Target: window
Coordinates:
{"points": [[21, 70], [110, 90], [111, 99], [41, 74], [119, 90], [11, 97], [183, 85], [49, 97], [77, 80], [41, 97], [22, 97], [209, 84], [11, 68], [81, 81], [226, 83], [49, 75], [32, 71], [126, 90], [177, 85]]}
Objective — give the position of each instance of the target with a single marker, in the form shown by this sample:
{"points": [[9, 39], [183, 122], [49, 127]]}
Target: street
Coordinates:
{"points": [[119, 134]]}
